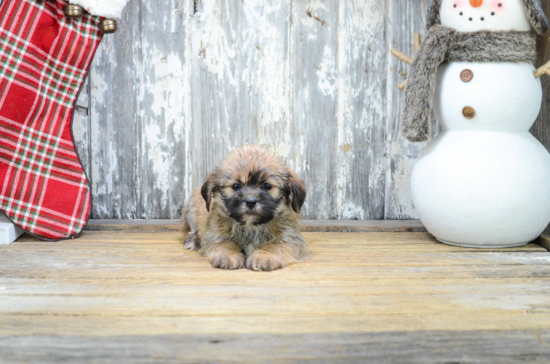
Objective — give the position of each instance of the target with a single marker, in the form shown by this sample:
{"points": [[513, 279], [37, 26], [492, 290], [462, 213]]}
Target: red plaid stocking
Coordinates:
{"points": [[44, 59]]}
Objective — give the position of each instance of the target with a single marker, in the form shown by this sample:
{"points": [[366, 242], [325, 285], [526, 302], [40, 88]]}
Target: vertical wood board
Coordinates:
{"points": [[239, 63], [113, 110], [314, 87], [405, 19], [139, 110]]}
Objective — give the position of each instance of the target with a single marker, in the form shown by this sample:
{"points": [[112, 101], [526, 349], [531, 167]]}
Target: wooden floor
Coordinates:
{"points": [[132, 294]]}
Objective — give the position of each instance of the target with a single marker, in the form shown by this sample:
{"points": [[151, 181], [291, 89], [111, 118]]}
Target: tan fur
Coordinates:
{"points": [[229, 244]]}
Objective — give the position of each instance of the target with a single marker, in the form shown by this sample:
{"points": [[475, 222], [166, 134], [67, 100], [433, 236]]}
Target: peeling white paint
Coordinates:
{"points": [[325, 72], [352, 212], [311, 81], [104, 162]]}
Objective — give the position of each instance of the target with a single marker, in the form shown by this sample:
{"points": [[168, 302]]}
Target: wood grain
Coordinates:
{"points": [[361, 134], [240, 82], [114, 128], [541, 129], [544, 239], [164, 98], [264, 72], [81, 127], [184, 83], [405, 19], [140, 110], [315, 87], [142, 293], [344, 226], [425, 347]]}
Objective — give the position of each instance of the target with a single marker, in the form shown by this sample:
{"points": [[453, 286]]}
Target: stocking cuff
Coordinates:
{"points": [[111, 9]]}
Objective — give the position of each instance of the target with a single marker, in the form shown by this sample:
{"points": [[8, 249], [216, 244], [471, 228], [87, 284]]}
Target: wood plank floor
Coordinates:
{"points": [[134, 295]]}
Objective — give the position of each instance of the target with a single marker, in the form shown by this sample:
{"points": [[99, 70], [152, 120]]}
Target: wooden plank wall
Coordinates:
{"points": [[182, 84]]}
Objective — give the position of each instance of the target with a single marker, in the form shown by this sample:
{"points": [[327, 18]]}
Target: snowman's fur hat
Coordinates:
{"points": [[533, 8]]}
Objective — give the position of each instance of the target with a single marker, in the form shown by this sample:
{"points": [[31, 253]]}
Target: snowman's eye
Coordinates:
{"points": [[454, 6], [461, 13], [500, 5], [493, 13], [482, 19]]}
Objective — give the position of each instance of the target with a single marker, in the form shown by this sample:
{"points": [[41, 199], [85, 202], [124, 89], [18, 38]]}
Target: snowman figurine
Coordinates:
{"points": [[484, 182]]}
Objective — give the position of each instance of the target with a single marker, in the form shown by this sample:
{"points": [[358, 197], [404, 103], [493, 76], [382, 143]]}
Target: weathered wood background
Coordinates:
{"points": [[182, 84]]}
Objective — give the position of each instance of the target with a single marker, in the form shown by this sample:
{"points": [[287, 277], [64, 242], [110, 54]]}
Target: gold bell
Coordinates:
{"points": [[74, 11], [108, 26]]}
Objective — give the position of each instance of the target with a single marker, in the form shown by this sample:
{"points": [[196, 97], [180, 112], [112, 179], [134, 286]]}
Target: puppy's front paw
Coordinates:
{"points": [[227, 260], [192, 242], [264, 261]]}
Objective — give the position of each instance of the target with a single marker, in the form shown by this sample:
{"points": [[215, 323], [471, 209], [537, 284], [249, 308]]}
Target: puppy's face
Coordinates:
{"points": [[252, 199], [253, 187]]}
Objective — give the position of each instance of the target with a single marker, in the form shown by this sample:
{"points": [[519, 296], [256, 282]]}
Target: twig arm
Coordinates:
{"points": [[543, 70], [401, 56], [401, 86], [407, 59]]}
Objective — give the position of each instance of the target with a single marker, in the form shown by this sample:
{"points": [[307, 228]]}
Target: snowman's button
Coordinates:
{"points": [[466, 75], [469, 112]]}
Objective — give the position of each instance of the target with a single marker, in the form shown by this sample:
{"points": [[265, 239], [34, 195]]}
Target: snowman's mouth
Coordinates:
{"points": [[477, 17]]}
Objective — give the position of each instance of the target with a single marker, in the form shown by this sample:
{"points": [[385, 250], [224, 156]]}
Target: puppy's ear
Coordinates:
{"points": [[297, 192], [206, 191]]}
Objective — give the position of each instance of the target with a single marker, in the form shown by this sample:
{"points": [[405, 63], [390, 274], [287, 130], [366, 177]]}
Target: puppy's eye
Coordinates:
{"points": [[237, 186], [267, 186]]}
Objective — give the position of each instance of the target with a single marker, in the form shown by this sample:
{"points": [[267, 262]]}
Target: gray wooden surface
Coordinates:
{"points": [[182, 84], [399, 347], [132, 294]]}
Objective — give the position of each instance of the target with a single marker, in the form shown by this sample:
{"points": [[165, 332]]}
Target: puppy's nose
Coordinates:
{"points": [[476, 3], [250, 202]]}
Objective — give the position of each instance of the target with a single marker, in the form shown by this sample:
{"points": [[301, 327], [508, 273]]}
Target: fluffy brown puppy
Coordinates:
{"points": [[247, 213]]}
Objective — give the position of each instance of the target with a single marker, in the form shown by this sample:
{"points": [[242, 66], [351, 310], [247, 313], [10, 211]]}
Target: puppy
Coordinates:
{"points": [[247, 213]]}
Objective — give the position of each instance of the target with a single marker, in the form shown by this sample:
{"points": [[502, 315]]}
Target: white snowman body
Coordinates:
{"points": [[484, 181]]}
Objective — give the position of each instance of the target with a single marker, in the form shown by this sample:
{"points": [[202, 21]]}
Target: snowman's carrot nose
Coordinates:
{"points": [[476, 3]]}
